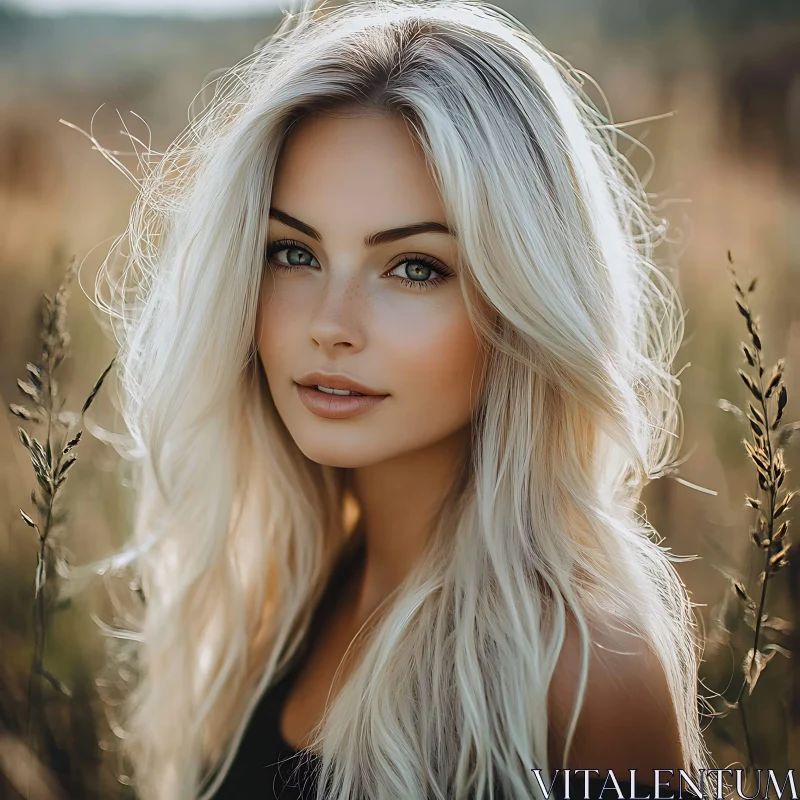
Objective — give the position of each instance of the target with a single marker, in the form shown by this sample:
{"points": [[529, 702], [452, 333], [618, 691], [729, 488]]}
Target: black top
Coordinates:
{"points": [[267, 767]]}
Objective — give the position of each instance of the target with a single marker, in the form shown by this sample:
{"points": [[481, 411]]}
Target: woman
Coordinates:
{"points": [[395, 362]]}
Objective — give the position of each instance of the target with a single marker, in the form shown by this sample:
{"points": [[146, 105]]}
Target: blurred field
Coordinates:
{"points": [[727, 176]]}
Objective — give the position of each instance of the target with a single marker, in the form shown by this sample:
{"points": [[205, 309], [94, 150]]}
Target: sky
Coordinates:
{"points": [[196, 8]]}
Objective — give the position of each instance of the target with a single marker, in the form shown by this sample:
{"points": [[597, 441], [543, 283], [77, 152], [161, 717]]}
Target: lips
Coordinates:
{"points": [[339, 382], [336, 406]]}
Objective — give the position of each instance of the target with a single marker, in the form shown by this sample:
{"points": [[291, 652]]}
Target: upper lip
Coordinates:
{"points": [[336, 381]]}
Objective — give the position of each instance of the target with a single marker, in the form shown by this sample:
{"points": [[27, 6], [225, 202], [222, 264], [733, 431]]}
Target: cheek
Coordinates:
{"points": [[274, 351], [274, 326], [438, 356]]}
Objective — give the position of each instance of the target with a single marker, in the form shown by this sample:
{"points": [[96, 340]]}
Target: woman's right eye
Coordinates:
{"points": [[296, 255]]}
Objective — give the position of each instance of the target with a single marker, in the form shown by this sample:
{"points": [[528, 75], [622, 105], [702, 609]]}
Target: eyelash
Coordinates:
{"points": [[436, 266]]}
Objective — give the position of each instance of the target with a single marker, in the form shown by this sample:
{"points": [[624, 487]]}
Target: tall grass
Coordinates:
{"points": [[767, 397], [53, 451]]}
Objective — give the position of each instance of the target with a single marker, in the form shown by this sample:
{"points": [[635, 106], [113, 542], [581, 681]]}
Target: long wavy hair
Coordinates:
{"points": [[236, 531]]}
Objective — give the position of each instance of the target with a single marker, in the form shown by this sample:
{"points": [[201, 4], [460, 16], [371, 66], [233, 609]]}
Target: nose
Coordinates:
{"points": [[338, 320]]}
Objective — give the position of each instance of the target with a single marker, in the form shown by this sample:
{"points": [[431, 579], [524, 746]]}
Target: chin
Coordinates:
{"points": [[349, 460], [345, 454]]}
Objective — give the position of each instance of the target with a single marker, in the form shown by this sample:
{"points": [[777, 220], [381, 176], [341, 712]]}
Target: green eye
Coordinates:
{"points": [[297, 255], [421, 269]]}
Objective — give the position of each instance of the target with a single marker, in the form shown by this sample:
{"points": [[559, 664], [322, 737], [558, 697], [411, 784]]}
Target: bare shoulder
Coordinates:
{"points": [[627, 720]]}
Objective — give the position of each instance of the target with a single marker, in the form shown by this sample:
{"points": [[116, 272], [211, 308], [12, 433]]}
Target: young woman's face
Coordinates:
{"points": [[386, 316]]}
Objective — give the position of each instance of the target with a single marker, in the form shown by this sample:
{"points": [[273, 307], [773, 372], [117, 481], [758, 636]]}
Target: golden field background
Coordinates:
{"points": [[726, 176]]}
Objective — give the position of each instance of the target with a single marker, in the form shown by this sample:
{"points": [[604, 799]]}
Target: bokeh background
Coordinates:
{"points": [[710, 87]]}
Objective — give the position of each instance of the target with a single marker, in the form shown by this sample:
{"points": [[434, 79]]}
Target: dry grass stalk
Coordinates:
{"points": [[52, 459], [769, 533]]}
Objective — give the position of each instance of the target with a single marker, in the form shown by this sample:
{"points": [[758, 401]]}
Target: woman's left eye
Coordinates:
{"points": [[421, 272]]}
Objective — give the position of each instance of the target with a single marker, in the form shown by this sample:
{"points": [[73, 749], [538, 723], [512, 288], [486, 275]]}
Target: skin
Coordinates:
{"points": [[341, 307], [627, 720]]}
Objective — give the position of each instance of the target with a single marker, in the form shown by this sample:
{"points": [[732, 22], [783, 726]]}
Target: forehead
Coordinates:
{"points": [[361, 170]]}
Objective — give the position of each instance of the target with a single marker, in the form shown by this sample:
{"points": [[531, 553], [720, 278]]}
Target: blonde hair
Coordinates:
{"points": [[236, 531]]}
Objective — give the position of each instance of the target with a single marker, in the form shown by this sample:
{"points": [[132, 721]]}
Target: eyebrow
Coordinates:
{"points": [[374, 239]]}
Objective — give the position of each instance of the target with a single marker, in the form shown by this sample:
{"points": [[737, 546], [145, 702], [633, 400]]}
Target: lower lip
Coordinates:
{"points": [[337, 406]]}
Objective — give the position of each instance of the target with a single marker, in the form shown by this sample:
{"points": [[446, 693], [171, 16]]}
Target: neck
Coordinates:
{"points": [[398, 499]]}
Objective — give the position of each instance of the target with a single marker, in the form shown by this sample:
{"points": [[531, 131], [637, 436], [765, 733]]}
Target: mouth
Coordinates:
{"points": [[337, 402], [341, 392], [340, 385]]}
